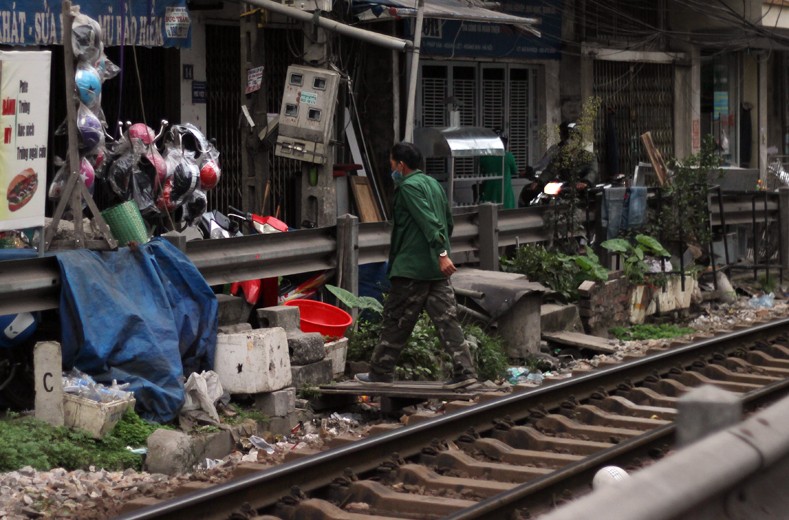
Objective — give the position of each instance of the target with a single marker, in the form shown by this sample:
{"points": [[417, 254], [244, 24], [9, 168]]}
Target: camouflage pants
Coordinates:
{"points": [[402, 308]]}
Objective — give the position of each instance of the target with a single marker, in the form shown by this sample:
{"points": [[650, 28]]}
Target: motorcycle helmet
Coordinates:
{"points": [[16, 328], [184, 181], [154, 160], [209, 174], [142, 132], [91, 133], [195, 206], [88, 85], [86, 173], [86, 39], [190, 139]]}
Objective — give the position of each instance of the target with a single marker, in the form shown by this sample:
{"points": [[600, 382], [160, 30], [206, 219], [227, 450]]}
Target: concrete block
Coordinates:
{"points": [[315, 374], [555, 317], [520, 327], [306, 348], [234, 328], [705, 410], [214, 445], [337, 352], [253, 362], [232, 309], [47, 369], [283, 425], [170, 452], [280, 316], [281, 402]]}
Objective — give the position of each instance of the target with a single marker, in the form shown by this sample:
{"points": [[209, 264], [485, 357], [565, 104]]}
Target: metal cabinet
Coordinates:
{"points": [[459, 142]]}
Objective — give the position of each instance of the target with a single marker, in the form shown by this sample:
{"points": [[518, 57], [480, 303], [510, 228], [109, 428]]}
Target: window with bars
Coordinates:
{"points": [[494, 96]]}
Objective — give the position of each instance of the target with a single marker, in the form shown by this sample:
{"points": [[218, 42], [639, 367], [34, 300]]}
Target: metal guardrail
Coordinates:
{"points": [[34, 284]]}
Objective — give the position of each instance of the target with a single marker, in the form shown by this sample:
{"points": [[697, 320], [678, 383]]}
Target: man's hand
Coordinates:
{"points": [[446, 266]]}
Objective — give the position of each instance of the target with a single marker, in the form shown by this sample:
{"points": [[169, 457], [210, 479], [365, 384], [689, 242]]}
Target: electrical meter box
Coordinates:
{"points": [[309, 5], [307, 114]]}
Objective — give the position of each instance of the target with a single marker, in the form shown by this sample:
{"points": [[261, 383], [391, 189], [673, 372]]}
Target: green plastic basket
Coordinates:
{"points": [[126, 223]]}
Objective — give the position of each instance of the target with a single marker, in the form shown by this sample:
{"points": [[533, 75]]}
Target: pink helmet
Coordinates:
{"points": [[86, 172], [142, 132]]}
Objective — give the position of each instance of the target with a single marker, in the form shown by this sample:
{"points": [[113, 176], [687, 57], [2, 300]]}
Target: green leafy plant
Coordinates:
{"points": [[634, 253], [649, 331], [350, 300], [28, 442], [558, 271], [684, 215], [488, 353]]}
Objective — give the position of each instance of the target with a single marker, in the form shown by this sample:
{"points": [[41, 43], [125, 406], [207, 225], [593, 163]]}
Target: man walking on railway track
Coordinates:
{"points": [[419, 269]]}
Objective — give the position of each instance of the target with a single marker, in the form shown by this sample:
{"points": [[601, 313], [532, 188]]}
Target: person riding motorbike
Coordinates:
{"points": [[567, 162]]}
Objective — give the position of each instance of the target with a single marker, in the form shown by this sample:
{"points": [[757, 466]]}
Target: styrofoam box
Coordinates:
{"points": [[254, 361], [337, 351], [94, 417]]}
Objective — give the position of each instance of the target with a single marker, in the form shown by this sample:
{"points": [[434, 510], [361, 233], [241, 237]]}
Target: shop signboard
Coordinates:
{"points": [[24, 130], [464, 39], [164, 23]]}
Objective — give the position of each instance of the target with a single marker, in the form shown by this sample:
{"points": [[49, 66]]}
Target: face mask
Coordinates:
{"points": [[397, 176]]}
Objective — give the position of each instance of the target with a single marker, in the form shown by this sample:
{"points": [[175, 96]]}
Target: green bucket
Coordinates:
{"points": [[126, 223]]}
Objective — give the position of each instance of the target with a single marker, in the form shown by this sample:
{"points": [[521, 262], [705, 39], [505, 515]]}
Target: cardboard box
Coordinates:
{"points": [[94, 417]]}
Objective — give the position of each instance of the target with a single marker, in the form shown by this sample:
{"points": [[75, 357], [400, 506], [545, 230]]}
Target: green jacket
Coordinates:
{"points": [[491, 190], [422, 227]]}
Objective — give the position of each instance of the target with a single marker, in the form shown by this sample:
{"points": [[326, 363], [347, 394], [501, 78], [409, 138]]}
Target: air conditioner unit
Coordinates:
{"points": [[309, 5]]}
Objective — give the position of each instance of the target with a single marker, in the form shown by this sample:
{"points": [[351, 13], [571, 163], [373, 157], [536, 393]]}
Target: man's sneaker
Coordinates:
{"points": [[369, 377]]}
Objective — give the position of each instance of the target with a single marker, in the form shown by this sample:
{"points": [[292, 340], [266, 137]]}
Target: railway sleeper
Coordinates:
{"points": [[668, 387], [774, 349], [317, 509], [766, 361], [648, 397], [592, 415], [742, 366], [558, 424], [383, 500], [459, 463], [693, 379], [718, 371], [429, 480], [527, 437], [622, 406], [497, 450]]}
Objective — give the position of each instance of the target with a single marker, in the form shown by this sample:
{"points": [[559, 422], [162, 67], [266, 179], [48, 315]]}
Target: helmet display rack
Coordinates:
{"points": [[75, 191]]}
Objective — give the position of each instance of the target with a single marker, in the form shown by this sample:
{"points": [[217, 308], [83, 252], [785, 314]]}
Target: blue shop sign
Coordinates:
{"points": [[464, 39], [153, 23]]}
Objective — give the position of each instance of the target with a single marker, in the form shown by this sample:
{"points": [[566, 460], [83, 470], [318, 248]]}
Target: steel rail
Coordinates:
{"points": [[319, 470]]}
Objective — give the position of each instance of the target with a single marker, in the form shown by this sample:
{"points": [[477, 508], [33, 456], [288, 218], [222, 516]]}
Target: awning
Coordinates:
{"points": [[465, 10], [458, 141]]}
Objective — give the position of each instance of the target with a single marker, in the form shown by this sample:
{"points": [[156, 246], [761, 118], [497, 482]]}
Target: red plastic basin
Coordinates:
{"points": [[321, 317]]}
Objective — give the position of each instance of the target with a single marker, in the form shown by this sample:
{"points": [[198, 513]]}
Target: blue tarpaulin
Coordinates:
{"points": [[145, 317]]}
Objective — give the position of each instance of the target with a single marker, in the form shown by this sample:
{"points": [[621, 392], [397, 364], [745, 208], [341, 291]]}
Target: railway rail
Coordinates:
{"points": [[507, 457]]}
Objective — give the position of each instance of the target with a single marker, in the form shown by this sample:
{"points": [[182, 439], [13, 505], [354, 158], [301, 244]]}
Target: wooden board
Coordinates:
{"points": [[406, 389], [576, 339], [365, 199], [655, 158]]}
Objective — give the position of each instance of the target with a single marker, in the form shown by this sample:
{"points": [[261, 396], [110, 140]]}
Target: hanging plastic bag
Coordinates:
{"points": [[86, 39], [195, 206], [88, 83], [89, 129]]}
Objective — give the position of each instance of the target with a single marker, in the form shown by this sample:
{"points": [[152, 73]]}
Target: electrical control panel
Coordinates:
{"points": [[307, 114]]}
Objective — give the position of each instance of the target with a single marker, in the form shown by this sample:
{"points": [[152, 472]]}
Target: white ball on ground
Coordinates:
{"points": [[609, 475]]}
